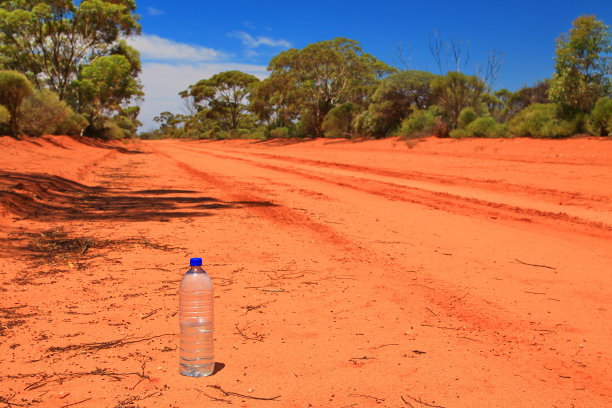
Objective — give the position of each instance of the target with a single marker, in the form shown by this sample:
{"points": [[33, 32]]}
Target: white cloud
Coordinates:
{"points": [[169, 67], [154, 48], [163, 81], [155, 12], [253, 42]]}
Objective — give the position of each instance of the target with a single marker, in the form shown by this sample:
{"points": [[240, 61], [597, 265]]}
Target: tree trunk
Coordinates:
{"points": [[14, 122]]}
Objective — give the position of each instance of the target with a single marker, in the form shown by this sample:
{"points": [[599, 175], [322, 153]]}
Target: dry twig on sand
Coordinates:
{"points": [[235, 394], [419, 401], [99, 345]]}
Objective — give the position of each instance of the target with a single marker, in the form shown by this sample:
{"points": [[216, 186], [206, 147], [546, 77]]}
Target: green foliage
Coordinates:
{"points": [[102, 89], [323, 75], [467, 116], [600, 120], [47, 115], [257, 134], [455, 92], [460, 133], [225, 96], [338, 122], [14, 87], [50, 40], [73, 125], [396, 97], [5, 117], [420, 123], [280, 133], [527, 95], [541, 121], [486, 126], [582, 65]]}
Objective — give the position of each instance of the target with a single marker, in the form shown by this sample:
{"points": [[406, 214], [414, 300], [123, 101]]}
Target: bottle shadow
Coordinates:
{"points": [[218, 367]]}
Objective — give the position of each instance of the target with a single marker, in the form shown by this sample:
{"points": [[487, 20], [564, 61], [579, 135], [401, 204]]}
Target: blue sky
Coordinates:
{"points": [[183, 42]]}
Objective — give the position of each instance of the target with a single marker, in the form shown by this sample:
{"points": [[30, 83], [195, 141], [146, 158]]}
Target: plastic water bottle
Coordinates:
{"points": [[196, 321]]}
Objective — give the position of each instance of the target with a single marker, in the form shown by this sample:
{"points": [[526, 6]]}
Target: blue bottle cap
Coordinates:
{"points": [[195, 262]]}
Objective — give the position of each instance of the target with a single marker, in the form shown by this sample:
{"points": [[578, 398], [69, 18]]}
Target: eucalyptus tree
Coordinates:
{"points": [[224, 96], [326, 74], [50, 40], [582, 65]]}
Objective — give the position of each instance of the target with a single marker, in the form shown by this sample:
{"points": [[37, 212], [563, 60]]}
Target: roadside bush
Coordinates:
{"points": [[487, 127], [600, 119], [45, 113], [5, 117], [241, 133], [460, 133], [73, 125], [467, 116], [337, 122], [14, 88], [441, 127], [541, 121], [112, 131], [420, 122], [280, 133]]}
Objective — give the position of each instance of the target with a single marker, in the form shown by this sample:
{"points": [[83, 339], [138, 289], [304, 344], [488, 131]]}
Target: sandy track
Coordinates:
{"points": [[347, 274]]}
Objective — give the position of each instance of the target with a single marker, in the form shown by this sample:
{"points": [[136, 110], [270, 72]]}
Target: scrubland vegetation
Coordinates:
{"points": [[65, 70]]}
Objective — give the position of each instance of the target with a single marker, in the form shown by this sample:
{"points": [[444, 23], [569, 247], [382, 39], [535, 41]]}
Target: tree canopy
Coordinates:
{"points": [[223, 96], [50, 40], [14, 87], [325, 74], [582, 65]]}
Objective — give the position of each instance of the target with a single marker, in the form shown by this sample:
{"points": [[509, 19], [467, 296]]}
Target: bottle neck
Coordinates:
{"points": [[196, 269]]}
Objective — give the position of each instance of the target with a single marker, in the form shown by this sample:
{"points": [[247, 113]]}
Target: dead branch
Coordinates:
{"points": [[385, 345], [422, 402], [7, 401], [256, 336], [235, 394], [251, 308], [60, 378], [99, 346], [431, 311], [378, 400], [75, 403], [536, 265], [151, 313]]}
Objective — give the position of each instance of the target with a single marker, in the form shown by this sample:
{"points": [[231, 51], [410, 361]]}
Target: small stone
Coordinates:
{"points": [[159, 368], [250, 390]]}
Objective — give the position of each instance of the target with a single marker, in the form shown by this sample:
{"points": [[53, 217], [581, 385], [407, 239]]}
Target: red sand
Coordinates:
{"points": [[348, 274]]}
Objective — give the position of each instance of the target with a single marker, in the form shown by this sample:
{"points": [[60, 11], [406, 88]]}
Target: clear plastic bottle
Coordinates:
{"points": [[196, 321]]}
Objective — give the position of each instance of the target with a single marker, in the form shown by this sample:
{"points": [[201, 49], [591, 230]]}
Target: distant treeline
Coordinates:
{"points": [[65, 70]]}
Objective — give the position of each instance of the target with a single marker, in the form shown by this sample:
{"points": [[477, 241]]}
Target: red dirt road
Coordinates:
{"points": [[445, 273]]}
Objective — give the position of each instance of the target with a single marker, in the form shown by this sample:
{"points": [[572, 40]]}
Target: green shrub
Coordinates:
{"points": [[487, 127], [241, 133], [14, 88], [419, 123], [5, 116], [280, 133], [338, 121], [73, 125], [45, 113], [600, 120], [441, 127], [467, 116], [542, 121], [460, 133], [111, 131]]}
